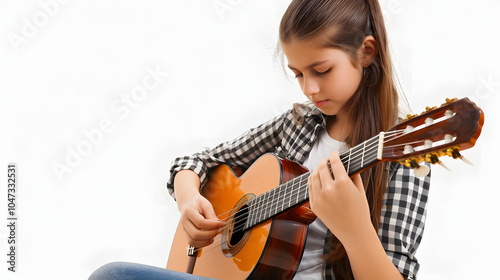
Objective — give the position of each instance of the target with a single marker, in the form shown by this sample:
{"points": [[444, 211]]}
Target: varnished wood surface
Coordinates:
{"points": [[273, 248]]}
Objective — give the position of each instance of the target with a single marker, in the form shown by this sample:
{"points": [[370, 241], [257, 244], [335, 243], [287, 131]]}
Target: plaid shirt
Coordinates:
{"points": [[291, 135]]}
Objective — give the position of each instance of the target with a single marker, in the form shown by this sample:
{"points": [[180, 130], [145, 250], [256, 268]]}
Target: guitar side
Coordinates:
{"points": [[270, 250]]}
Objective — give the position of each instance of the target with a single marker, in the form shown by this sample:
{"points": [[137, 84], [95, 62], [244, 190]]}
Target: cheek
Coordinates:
{"points": [[347, 81]]}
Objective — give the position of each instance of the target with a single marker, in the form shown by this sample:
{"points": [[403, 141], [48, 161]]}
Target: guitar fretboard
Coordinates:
{"points": [[296, 191]]}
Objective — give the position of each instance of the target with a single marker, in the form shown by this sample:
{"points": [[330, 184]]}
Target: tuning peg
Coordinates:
{"points": [[409, 129], [433, 158], [449, 100], [429, 121], [427, 108], [419, 170], [448, 114], [443, 165], [410, 116], [408, 149], [454, 153], [428, 144], [448, 138], [466, 160]]}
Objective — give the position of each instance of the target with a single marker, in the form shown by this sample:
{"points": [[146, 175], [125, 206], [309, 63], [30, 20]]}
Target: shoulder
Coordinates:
{"points": [[302, 112]]}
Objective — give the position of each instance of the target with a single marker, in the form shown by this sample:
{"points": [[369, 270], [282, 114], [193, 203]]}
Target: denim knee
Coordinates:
{"points": [[109, 271], [135, 271]]}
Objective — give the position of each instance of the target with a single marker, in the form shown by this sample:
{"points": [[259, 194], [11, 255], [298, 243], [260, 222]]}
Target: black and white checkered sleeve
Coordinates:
{"points": [[403, 218], [240, 152]]}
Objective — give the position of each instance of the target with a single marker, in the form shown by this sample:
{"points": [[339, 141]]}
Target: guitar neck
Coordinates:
{"points": [[296, 191]]}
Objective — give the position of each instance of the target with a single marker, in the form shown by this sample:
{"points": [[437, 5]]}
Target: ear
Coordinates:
{"points": [[368, 51]]}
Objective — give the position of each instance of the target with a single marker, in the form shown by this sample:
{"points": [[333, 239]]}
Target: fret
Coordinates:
{"points": [[255, 203], [265, 205], [249, 215], [306, 194], [276, 201], [349, 161], [298, 194], [363, 155], [296, 190], [284, 196], [251, 212], [260, 208], [280, 198], [273, 203], [269, 203]]}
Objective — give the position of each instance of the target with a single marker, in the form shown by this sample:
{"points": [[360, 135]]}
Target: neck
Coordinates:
{"points": [[338, 127]]}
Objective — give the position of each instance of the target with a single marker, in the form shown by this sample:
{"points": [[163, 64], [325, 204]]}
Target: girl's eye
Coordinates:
{"points": [[323, 73], [316, 72]]}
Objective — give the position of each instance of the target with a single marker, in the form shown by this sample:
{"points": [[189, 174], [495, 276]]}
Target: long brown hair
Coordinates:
{"points": [[343, 24]]}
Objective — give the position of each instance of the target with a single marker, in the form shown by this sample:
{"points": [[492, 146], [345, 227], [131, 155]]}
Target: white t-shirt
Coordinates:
{"points": [[312, 264]]}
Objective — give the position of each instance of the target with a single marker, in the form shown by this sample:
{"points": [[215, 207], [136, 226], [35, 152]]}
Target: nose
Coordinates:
{"points": [[310, 86]]}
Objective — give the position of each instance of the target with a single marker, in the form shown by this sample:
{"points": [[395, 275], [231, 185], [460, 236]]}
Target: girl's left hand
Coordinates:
{"points": [[339, 201]]}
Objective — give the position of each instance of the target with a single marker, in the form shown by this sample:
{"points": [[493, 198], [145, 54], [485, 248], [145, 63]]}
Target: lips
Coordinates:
{"points": [[320, 103]]}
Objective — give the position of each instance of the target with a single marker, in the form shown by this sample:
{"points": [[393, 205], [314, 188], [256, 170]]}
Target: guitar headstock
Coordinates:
{"points": [[445, 130]]}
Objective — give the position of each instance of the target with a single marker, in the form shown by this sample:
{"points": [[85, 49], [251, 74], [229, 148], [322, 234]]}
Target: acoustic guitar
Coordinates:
{"points": [[266, 207]]}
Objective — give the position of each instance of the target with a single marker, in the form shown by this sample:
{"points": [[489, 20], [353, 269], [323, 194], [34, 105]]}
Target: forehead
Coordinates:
{"points": [[302, 54]]}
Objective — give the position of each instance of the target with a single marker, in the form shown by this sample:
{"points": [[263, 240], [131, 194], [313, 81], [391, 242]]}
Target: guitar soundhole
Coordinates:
{"points": [[237, 232], [234, 235]]}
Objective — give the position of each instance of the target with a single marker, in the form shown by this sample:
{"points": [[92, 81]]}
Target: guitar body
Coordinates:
{"points": [[269, 250]]}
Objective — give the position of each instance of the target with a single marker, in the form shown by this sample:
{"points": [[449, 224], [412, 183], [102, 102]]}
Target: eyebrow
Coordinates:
{"points": [[310, 66]]}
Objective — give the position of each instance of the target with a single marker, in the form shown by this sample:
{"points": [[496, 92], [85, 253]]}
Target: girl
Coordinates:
{"points": [[368, 226]]}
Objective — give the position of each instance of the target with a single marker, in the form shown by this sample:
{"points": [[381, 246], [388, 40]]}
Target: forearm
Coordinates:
{"points": [[186, 184], [368, 258]]}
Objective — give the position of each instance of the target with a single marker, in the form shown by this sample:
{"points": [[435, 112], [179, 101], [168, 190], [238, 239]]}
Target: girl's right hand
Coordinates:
{"points": [[199, 221], [198, 217]]}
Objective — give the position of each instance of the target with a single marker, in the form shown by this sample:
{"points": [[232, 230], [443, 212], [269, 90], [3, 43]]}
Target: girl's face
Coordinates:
{"points": [[326, 75]]}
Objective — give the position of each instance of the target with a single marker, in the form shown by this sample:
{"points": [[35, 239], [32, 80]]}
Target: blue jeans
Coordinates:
{"points": [[135, 271]]}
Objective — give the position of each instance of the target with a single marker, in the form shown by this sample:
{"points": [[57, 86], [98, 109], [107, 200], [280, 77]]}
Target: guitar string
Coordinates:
{"points": [[301, 187], [278, 201], [240, 224], [269, 204], [354, 160]]}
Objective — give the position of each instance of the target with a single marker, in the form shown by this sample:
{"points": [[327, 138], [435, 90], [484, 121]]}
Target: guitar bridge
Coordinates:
{"points": [[190, 251]]}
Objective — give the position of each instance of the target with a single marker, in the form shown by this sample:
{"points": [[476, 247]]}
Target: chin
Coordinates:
{"points": [[329, 112]]}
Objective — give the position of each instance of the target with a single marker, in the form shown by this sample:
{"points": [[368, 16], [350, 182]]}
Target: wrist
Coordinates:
{"points": [[186, 187], [361, 237], [368, 258]]}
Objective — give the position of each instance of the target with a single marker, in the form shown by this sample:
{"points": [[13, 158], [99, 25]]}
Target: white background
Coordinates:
{"points": [[67, 67]]}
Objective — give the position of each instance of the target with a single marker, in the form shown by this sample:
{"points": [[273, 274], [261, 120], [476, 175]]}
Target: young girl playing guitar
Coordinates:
{"points": [[368, 226]]}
